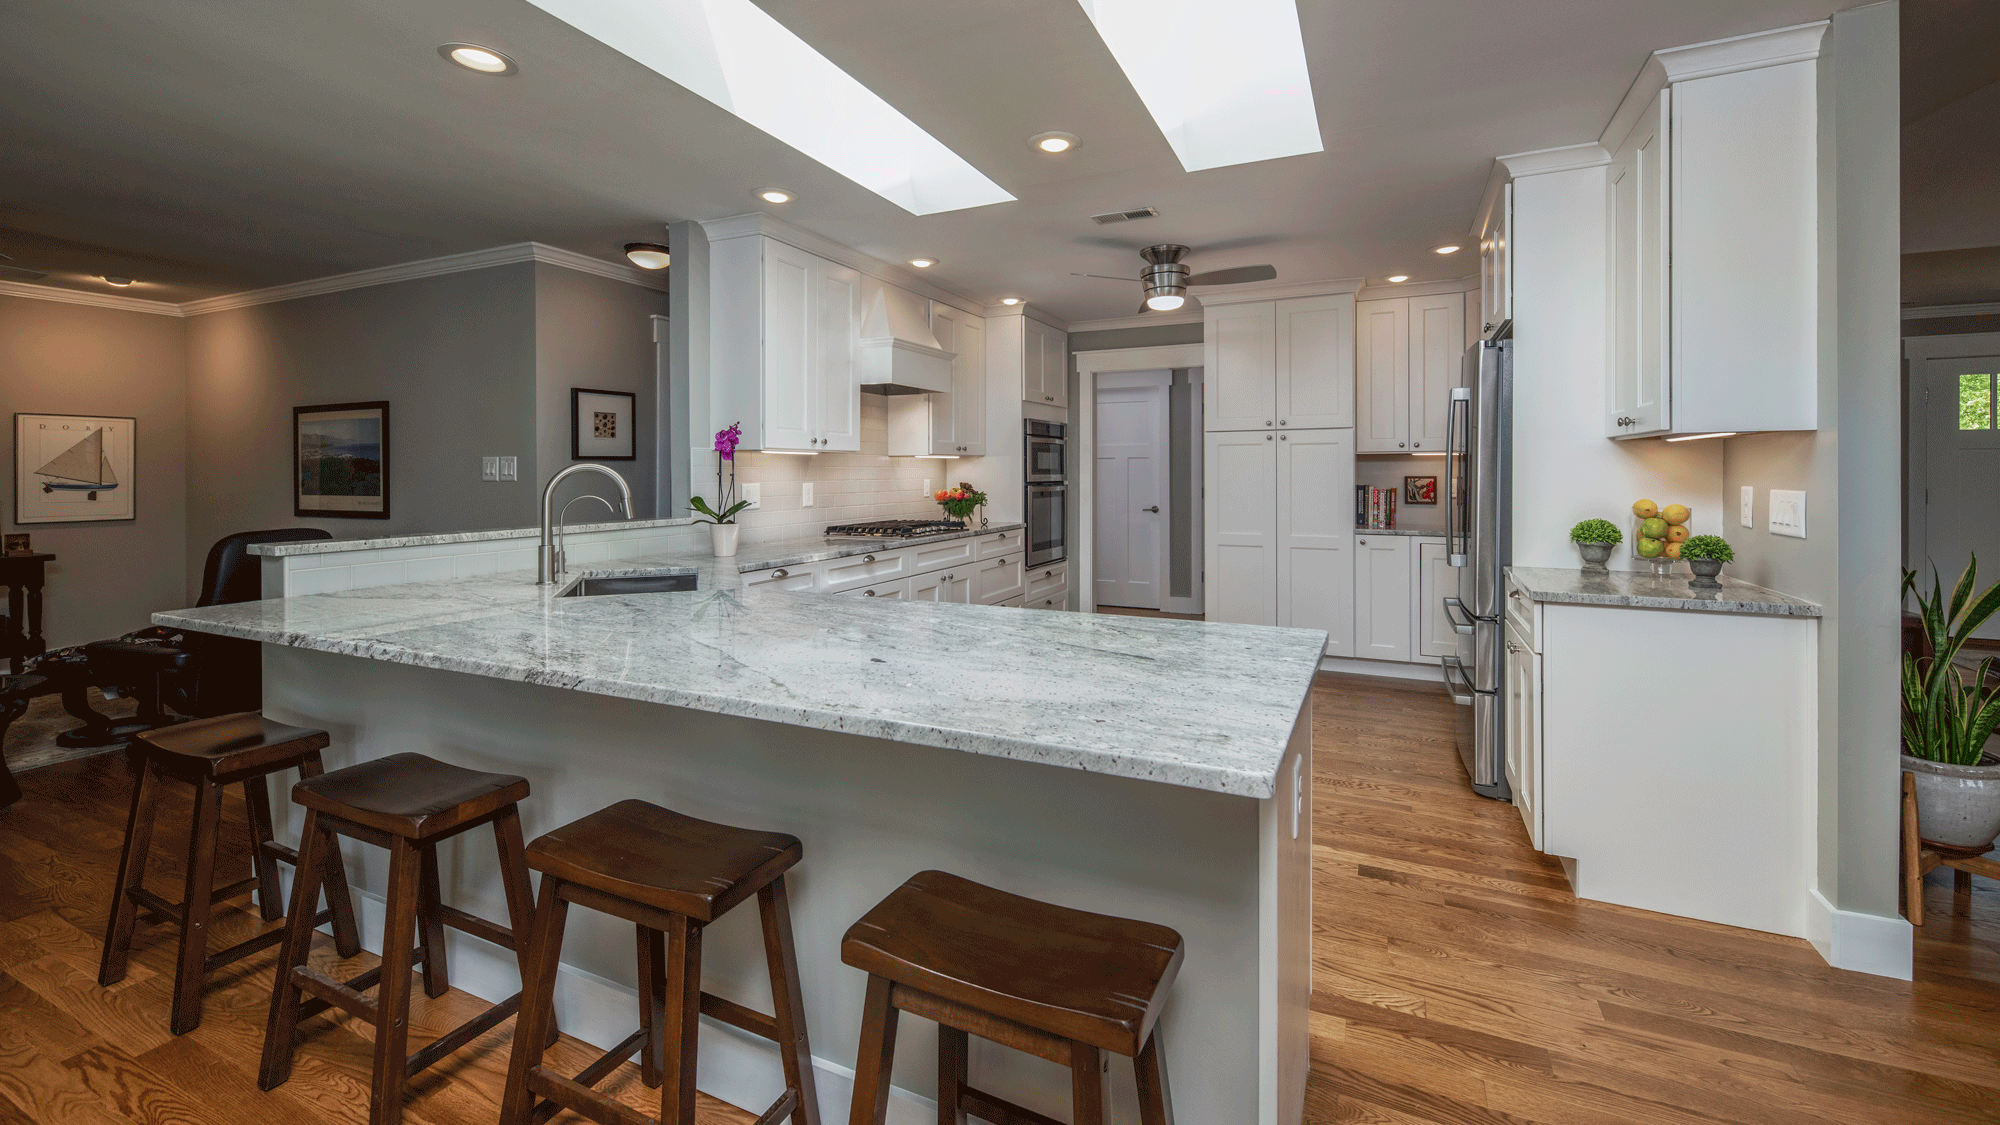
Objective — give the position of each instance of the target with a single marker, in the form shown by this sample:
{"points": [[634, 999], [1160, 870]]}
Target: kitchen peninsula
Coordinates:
{"points": [[1154, 769]]}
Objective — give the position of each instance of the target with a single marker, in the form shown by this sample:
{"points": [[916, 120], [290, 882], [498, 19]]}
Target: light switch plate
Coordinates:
{"points": [[1747, 514], [806, 495], [753, 494], [1788, 513], [489, 468], [510, 468]]}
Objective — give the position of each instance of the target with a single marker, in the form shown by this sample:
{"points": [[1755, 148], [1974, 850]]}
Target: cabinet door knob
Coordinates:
{"points": [[1267, 423], [1399, 445], [1282, 422], [1363, 542], [1284, 437], [1267, 437], [1417, 445]]}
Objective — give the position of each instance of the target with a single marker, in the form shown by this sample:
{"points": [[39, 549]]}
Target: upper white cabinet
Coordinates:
{"points": [[950, 424], [1019, 347], [1409, 354], [1496, 264], [1279, 518], [1276, 365], [783, 326], [1637, 252]]}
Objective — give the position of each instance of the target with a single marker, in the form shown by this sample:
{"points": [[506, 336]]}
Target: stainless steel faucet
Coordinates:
{"points": [[548, 562]]}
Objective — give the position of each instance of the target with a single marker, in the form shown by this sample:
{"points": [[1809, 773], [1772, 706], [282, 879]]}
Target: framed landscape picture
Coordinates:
{"points": [[73, 468], [340, 455], [601, 425], [1420, 490]]}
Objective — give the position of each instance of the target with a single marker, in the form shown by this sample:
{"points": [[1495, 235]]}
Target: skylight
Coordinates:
{"points": [[735, 55], [1225, 80]]}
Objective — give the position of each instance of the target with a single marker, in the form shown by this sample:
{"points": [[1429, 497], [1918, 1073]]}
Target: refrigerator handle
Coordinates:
{"points": [[1457, 442], [1458, 626]]}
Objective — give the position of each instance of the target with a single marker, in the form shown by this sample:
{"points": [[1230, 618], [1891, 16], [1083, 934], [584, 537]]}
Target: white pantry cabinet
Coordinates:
{"points": [[950, 424], [1382, 592], [1496, 264], [1277, 365], [1279, 512], [1021, 348], [1409, 354], [783, 332]]}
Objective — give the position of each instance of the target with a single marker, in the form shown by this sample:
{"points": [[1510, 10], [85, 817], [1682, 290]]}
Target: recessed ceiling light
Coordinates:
{"points": [[1054, 142], [923, 263], [1010, 300], [1398, 279], [648, 255], [120, 282], [1447, 248], [734, 54], [775, 195], [472, 56]]}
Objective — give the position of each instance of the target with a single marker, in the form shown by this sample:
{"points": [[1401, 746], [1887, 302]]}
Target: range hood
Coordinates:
{"points": [[898, 354]]}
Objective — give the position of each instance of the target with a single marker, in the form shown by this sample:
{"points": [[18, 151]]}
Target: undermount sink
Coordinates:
{"points": [[591, 587]]}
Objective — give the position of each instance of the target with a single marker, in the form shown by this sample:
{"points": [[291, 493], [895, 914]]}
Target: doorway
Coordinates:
{"points": [[1960, 417], [1134, 495]]}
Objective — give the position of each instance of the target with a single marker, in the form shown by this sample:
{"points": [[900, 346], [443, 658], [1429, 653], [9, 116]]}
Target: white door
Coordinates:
{"points": [[1436, 580], [1315, 362], [1239, 387], [836, 379], [1437, 359], [789, 326], [1382, 376], [1962, 462], [1132, 503], [1240, 511], [1316, 534], [1381, 596]]}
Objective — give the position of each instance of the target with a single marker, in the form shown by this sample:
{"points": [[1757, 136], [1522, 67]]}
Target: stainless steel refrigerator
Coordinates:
{"points": [[1479, 480]]}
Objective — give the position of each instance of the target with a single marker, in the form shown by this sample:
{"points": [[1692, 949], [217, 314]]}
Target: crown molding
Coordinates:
{"points": [[770, 226], [1143, 320], [1568, 158], [93, 300], [1027, 311], [1941, 312], [1797, 43], [1418, 289], [1238, 295], [656, 280], [427, 267]]}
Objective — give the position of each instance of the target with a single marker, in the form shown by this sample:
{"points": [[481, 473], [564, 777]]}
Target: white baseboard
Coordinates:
{"points": [[1864, 943], [1398, 669]]}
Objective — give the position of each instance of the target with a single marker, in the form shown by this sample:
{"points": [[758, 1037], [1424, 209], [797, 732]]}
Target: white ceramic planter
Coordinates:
{"points": [[722, 537], [1957, 806]]}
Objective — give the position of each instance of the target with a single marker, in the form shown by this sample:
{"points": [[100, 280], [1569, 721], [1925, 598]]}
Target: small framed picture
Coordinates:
{"points": [[18, 545], [601, 425], [1420, 490], [72, 468], [340, 455]]}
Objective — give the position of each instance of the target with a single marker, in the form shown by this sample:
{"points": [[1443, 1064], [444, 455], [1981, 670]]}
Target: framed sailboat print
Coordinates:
{"points": [[340, 455], [72, 468]]}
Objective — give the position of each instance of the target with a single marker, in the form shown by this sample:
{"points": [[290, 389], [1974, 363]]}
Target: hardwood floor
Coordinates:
{"points": [[1458, 981]]}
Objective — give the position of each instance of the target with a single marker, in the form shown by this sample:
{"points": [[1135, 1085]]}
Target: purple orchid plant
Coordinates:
{"points": [[726, 442]]}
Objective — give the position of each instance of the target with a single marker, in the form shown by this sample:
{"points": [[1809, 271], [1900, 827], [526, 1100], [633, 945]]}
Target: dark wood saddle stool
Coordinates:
{"points": [[670, 875], [1062, 984], [407, 804], [211, 754]]}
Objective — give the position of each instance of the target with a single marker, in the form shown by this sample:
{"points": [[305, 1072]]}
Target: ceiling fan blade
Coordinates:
{"points": [[1105, 276], [1236, 276], [19, 272]]}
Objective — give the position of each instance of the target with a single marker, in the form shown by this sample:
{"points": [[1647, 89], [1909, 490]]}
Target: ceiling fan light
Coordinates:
{"points": [[1165, 302], [648, 255]]}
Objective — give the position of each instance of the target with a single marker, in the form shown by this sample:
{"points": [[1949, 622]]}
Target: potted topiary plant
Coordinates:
{"points": [[1947, 721], [1594, 540], [1705, 555]]}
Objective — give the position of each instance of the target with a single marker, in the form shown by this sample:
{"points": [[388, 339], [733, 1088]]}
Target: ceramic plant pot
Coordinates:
{"points": [[722, 536], [1705, 571], [1957, 806], [1595, 555]]}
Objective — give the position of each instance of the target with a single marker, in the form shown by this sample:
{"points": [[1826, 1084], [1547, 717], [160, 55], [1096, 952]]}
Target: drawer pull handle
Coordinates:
{"points": [[868, 558], [869, 593], [779, 574]]}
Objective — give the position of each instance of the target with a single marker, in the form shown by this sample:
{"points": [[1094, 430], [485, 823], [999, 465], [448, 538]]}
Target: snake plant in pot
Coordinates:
{"points": [[1947, 720]]}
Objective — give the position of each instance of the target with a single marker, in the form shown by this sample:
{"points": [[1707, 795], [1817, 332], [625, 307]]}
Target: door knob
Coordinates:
{"points": [[1154, 509]]}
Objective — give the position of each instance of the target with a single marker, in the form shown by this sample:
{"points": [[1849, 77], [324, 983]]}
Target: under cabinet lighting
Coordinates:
{"points": [[648, 255], [472, 56], [1427, 454], [1398, 279], [935, 456], [1249, 97], [787, 452], [734, 54], [1701, 437]]}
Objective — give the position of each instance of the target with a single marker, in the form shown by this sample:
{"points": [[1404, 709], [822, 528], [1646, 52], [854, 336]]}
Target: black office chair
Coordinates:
{"points": [[174, 675]]}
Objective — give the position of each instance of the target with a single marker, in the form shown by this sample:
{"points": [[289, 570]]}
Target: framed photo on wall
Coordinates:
{"points": [[340, 460], [73, 468], [601, 425], [1420, 490]]}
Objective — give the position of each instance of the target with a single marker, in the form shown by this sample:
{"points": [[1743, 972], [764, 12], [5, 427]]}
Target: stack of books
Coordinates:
{"points": [[1374, 508]]}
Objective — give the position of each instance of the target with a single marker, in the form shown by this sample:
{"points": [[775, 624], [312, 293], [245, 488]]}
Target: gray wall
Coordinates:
{"points": [[455, 357], [594, 332], [1146, 336], [1850, 468], [72, 359]]}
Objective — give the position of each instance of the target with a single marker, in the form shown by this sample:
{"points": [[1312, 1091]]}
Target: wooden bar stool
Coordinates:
{"points": [[670, 875], [211, 754], [1065, 985], [407, 804]]}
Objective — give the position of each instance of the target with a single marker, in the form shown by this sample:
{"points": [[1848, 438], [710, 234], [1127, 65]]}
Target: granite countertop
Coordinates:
{"points": [[1200, 705], [1641, 590], [1427, 533], [332, 546]]}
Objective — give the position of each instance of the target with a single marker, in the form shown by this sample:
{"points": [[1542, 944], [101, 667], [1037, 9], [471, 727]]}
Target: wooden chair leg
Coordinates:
{"points": [[346, 934], [794, 1046], [392, 1001], [681, 1021], [1913, 866], [281, 1028], [520, 898], [1156, 1102], [270, 892], [874, 1055], [196, 907], [1089, 1093], [430, 924], [652, 1002], [131, 874], [952, 1068], [538, 990]]}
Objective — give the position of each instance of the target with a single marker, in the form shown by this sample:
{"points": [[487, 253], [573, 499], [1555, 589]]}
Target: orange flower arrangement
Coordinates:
{"points": [[959, 502]]}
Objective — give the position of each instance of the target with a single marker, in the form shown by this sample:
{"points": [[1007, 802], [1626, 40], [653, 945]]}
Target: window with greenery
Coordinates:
{"points": [[1975, 402]]}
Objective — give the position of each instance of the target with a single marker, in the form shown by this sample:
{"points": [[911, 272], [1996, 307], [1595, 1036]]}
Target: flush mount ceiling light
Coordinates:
{"points": [[1447, 248], [1398, 279], [485, 60], [775, 195], [1225, 80], [923, 263], [120, 282], [648, 255], [1053, 143], [734, 54]]}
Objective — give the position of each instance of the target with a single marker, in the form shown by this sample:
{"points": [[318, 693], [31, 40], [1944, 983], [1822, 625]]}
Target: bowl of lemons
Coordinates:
{"points": [[1658, 532]]}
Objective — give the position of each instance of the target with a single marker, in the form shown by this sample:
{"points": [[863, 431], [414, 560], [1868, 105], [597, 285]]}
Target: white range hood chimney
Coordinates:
{"points": [[899, 356]]}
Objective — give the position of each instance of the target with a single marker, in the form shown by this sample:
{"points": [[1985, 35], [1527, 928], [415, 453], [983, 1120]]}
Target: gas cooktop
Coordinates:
{"points": [[893, 529]]}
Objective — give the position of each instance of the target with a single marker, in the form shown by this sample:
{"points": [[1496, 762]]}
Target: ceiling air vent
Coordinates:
{"points": [[1126, 216]]}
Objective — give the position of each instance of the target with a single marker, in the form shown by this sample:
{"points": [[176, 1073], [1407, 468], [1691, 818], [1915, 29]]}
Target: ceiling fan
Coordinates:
{"points": [[1166, 278]]}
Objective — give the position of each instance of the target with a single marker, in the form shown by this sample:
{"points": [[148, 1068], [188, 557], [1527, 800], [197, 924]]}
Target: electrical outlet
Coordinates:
{"points": [[753, 495], [806, 495], [1746, 513], [510, 468], [489, 468], [1788, 513]]}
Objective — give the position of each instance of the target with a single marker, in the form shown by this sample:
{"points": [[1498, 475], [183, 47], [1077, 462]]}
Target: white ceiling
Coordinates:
{"points": [[233, 144]]}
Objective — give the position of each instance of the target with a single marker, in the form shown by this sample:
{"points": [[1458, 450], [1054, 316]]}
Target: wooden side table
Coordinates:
{"points": [[21, 634]]}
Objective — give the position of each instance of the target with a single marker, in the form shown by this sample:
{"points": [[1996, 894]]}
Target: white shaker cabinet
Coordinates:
{"points": [[783, 328], [1315, 534], [1435, 580], [1638, 249], [1240, 521], [1278, 365], [1409, 354], [953, 585], [1382, 590], [1496, 259], [1524, 729], [949, 424], [1239, 383], [1033, 354]]}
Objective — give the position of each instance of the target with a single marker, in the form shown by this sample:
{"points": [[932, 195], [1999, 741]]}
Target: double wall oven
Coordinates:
{"points": [[1046, 457]]}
